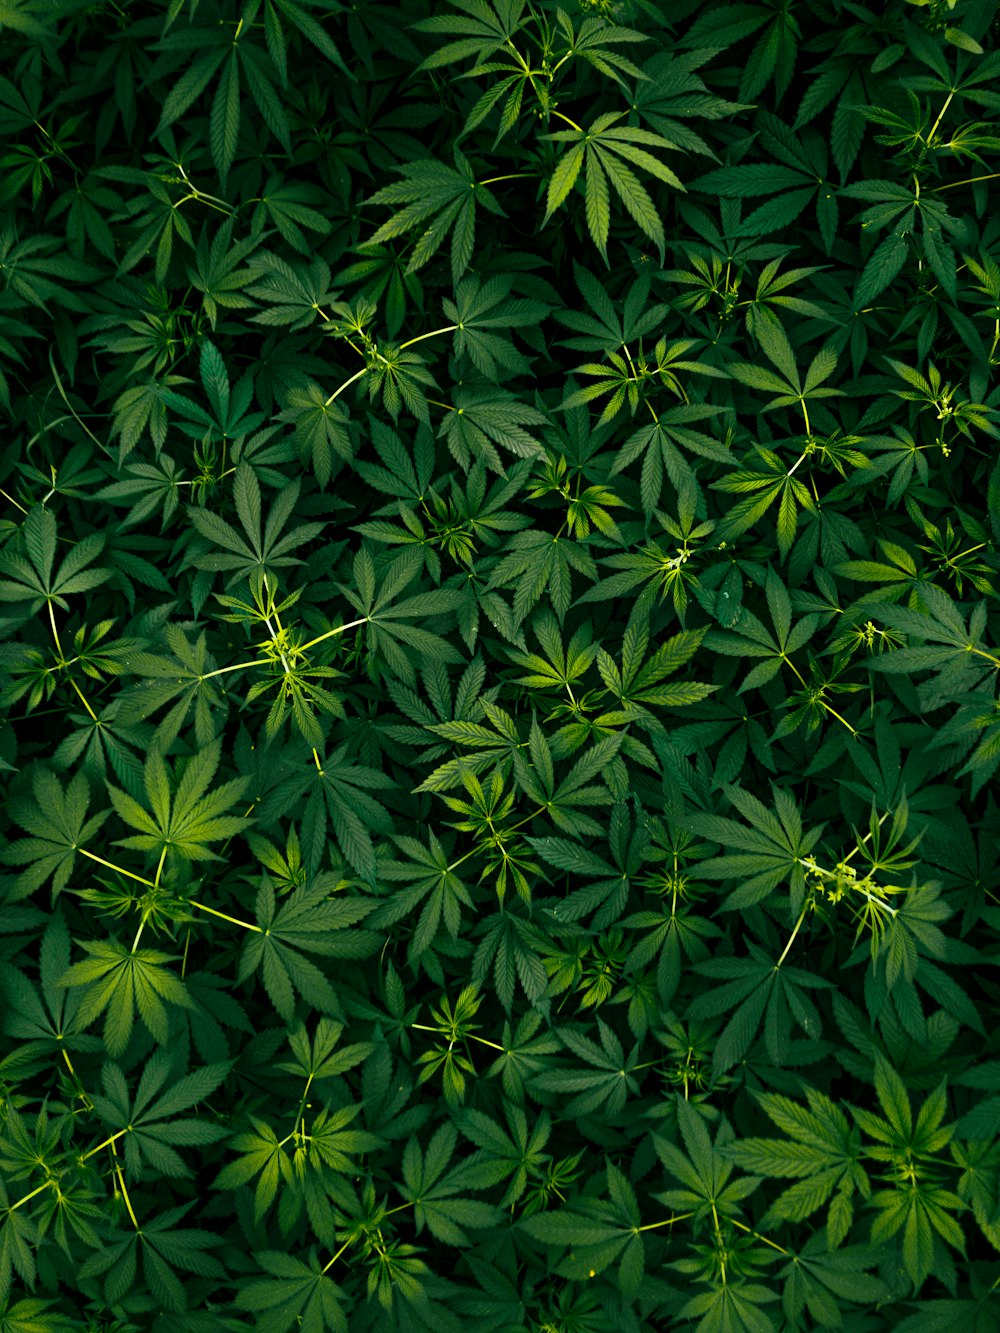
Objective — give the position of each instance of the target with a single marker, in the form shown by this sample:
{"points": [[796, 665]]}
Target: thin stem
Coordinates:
{"points": [[791, 938], [239, 666], [27, 1197], [973, 180], [111, 866], [569, 122], [234, 921], [515, 176], [527, 819], [790, 663], [83, 699], [346, 385], [450, 328], [128, 1201], [483, 1042], [804, 455], [159, 866], [749, 1230], [455, 864], [300, 1113], [947, 103], [835, 714], [865, 838], [75, 415], [331, 632], [667, 1222], [718, 1237], [337, 1255], [55, 632], [204, 199], [107, 1143], [12, 501]]}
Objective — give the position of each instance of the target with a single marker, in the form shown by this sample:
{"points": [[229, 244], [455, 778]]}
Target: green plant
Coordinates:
{"points": [[498, 651]]}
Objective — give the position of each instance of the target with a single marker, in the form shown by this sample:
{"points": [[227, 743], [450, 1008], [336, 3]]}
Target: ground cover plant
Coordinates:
{"points": [[498, 650]]}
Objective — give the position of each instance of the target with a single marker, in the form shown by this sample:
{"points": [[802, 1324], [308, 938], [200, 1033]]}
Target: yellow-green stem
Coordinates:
{"points": [[667, 1222], [791, 938], [233, 921], [337, 1255], [128, 1201], [450, 328], [111, 866], [30, 1196], [107, 1143], [346, 385], [756, 1234], [331, 632], [239, 666]]}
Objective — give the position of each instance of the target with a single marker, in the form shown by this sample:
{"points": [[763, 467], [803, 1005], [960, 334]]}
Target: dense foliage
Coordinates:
{"points": [[498, 638]]}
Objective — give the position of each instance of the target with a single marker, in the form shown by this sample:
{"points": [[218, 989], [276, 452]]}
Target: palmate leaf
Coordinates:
{"points": [[57, 824], [602, 1077], [607, 154], [504, 1155], [483, 417], [445, 199], [153, 1129], [600, 1233], [164, 1247], [51, 1016], [320, 429], [181, 819], [656, 443], [483, 313], [757, 991], [770, 850], [535, 563], [701, 1167], [638, 684], [819, 1278], [292, 296], [751, 638], [821, 1148], [263, 1156], [308, 919], [481, 29], [796, 178], [437, 1194], [771, 480], [181, 677], [673, 95], [33, 1316], [123, 981], [391, 637], [294, 1295], [432, 883], [264, 548], [30, 577], [339, 793]]}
